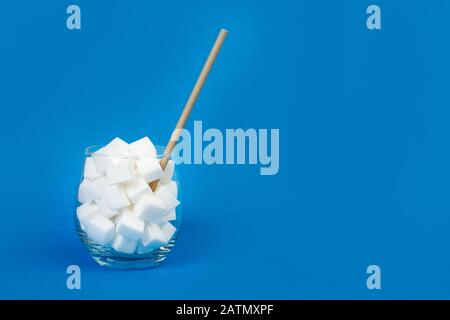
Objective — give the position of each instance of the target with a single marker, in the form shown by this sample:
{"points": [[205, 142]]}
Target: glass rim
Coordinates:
{"points": [[92, 150]]}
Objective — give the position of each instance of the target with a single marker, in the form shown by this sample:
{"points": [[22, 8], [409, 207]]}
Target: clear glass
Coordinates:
{"points": [[105, 255]]}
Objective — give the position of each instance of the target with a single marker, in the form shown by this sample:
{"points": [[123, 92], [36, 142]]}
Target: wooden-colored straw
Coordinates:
{"points": [[191, 101]]}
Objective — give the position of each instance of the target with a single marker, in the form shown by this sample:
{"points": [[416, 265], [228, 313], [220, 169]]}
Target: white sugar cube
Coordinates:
{"points": [[124, 244], [143, 250], [120, 174], [172, 187], [129, 226], [168, 172], [85, 192], [121, 213], [149, 208], [111, 155], [99, 186], [116, 198], [119, 147], [149, 169], [171, 216], [104, 208], [153, 236], [124, 211], [169, 230], [86, 211], [167, 198], [90, 171], [137, 188], [100, 229], [142, 147], [105, 158]]}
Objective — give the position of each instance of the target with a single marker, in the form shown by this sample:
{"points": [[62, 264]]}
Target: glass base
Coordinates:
{"points": [[136, 261], [106, 256]]}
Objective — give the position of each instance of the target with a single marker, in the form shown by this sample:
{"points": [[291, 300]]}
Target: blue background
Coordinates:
{"points": [[364, 133]]}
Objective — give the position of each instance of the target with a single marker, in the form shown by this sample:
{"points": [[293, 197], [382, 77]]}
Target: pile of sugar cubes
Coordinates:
{"points": [[118, 207]]}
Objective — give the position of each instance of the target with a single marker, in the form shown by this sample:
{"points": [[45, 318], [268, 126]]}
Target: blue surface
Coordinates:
{"points": [[364, 158]]}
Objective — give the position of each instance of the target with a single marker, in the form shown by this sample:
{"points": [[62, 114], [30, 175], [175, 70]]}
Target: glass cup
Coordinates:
{"points": [[141, 258]]}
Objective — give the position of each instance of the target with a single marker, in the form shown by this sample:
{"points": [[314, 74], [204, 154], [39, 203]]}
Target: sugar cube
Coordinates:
{"points": [[169, 230], [142, 147], [120, 174], [90, 171], [153, 236], [100, 229], [87, 211], [168, 172], [143, 250], [104, 208], [172, 187], [104, 160], [119, 147], [149, 169], [124, 244], [116, 198], [85, 192], [171, 216], [121, 213], [167, 198], [136, 188], [149, 208], [130, 226], [99, 187]]}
